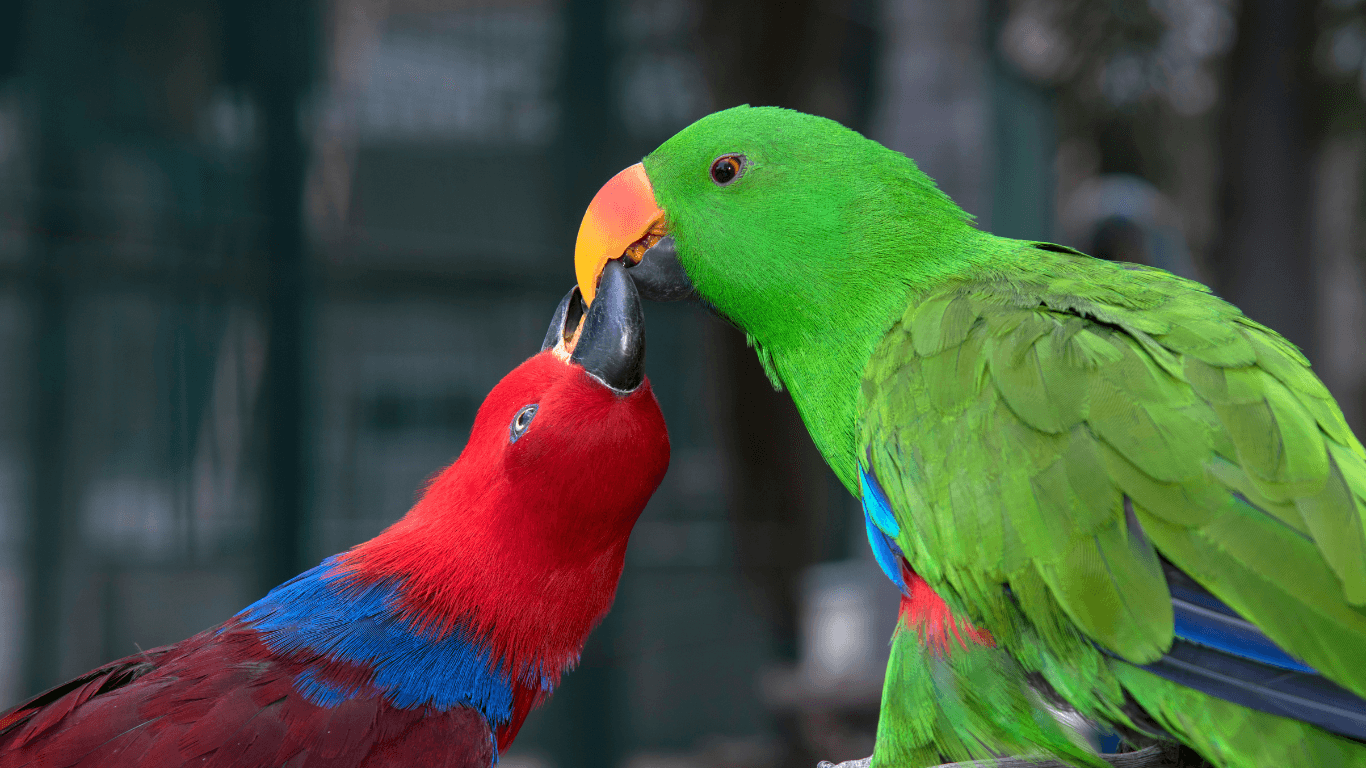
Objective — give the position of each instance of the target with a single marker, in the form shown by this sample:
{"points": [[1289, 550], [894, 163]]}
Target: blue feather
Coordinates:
{"points": [[875, 504], [1308, 697], [885, 552], [882, 528], [316, 614], [1218, 652], [1203, 619]]}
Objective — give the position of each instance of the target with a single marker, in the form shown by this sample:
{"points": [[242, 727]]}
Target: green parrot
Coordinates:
{"points": [[1101, 489]]}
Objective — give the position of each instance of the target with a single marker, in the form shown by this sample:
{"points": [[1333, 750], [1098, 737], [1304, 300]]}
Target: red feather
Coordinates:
{"points": [[532, 579], [143, 720], [518, 543], [923, 610]]}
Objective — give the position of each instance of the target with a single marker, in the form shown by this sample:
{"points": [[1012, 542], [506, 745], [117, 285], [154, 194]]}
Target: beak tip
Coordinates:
{"points": [[611, 346], [556, 334], [620, 214]]}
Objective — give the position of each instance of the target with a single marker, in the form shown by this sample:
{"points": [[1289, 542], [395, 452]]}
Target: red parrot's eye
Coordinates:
{"points": [[521, 422], [726, 169]]}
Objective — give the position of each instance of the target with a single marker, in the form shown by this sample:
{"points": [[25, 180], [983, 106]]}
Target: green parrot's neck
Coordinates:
{"points": [[815, 250], [820, 354]]}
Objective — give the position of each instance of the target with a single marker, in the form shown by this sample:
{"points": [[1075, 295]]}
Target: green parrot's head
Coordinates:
{"points": [[767, 214]]}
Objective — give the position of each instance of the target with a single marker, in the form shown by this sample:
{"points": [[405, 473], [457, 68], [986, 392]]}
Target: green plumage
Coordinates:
{"points": [[1045, 425], [1078, 403]]}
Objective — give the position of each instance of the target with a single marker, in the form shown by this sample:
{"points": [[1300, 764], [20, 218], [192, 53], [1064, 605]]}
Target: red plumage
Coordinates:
{"points": [[223, 699], [923, 610], [535, 579], [518, 543]]}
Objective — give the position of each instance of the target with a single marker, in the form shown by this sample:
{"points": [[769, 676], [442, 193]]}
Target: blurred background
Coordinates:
{"points": [[260, 262]]}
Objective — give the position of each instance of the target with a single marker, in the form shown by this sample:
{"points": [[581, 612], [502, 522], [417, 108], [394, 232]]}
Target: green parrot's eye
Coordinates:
{"points": [[726, 169]]}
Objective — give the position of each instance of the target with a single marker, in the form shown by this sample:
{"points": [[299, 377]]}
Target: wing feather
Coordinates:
{"points": [[1045, 443], [222, 700]]}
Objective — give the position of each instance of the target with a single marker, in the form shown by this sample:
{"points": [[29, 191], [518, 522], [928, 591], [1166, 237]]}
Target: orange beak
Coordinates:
{"points": [[622, 220]]}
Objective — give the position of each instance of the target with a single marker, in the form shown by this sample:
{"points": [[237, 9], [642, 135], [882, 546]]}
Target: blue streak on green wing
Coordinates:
{"points": [[1202, 619], [876, 505], [882, 528]]}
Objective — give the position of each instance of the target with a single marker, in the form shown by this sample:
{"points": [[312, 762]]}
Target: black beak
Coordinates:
{"points": [[561, 325], [611, 346], [659, 276]]}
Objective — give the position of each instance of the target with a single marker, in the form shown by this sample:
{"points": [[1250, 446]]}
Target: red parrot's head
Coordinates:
{"points": [[521, 541], [573, 436]]}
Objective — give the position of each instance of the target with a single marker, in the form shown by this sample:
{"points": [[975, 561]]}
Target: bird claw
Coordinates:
{"points": [[866, 762]]}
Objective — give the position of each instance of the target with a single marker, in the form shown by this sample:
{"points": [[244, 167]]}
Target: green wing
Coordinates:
{"points": [[1044, 433]]}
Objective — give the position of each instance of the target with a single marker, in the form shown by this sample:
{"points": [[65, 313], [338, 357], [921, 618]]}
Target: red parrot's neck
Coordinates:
{"points": [[528, 596], [469, 557], [485, 592]]}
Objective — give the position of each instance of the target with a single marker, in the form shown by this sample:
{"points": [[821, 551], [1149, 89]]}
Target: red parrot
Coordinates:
{"points": [[429, 644]]}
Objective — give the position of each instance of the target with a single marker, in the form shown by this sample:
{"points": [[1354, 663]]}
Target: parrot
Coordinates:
{"points": [[428, 644], [1104, 492]]}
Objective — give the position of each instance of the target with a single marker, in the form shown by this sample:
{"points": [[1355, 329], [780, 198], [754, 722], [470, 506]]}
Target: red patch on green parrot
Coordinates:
{"points": [[923, 610]]}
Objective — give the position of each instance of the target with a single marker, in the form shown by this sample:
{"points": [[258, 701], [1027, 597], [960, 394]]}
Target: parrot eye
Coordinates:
{"points": [[521, 422], [726, 169]]}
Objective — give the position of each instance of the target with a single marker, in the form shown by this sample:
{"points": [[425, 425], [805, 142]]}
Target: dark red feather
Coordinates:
{"points": [[142, 720], [518, 544]]}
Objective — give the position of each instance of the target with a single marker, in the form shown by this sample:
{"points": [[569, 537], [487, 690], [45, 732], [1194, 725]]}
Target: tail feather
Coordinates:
{"points": [[1231, 735], [1304, 696], [1219, 653]]}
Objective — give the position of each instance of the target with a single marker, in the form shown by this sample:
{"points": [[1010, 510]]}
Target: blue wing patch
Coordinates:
{"points": [[882, 528], [316, 615], [875, 504], [1203, 619], [885, 551], [1304, 696], [1220, 653]]}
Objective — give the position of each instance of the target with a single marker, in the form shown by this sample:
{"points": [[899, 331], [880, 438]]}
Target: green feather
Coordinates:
{"points": [[1333, 518], [1046, 427], [1112, 586], [947, 709]]}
